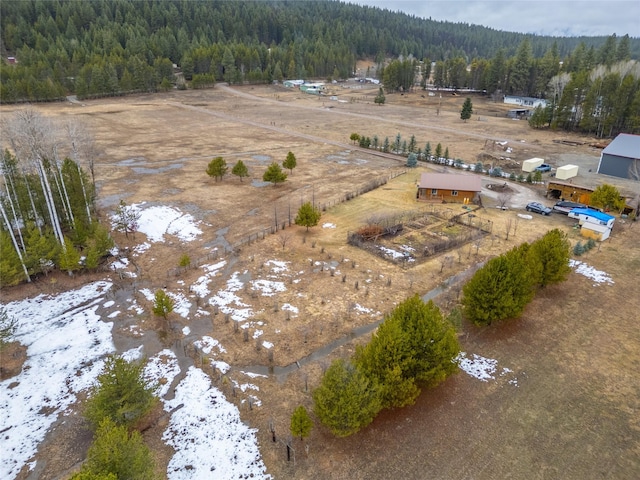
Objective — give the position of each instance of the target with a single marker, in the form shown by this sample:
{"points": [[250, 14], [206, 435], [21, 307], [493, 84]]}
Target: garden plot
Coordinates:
{"points": [[422, 239]]}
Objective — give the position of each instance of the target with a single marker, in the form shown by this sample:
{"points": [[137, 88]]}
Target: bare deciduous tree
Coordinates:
{"points": [[284, 238], [507, 227], [503, 198]]}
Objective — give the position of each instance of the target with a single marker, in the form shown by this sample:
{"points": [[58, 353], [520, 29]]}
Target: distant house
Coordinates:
{"points": [[449, 187], [621, 156], [312, 88], [519, 113], [292, 83], [525, 101]]}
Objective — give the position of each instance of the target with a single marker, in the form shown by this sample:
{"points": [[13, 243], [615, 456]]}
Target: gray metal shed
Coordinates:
{"points": [[620, 155]]}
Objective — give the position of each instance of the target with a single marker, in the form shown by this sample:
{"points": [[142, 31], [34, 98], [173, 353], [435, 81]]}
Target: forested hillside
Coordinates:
{"points": [[114, 47]]}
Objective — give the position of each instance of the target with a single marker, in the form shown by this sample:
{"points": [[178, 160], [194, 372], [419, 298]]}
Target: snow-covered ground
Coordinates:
{"points": [[590, 272], [483, 368], [67, 341]]}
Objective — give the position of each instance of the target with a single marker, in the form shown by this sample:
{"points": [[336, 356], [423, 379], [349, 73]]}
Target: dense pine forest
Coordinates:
{"points": [[114, 47]]}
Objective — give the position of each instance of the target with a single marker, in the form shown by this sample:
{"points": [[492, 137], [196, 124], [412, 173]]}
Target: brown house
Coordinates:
{"points": [[449, 187]]}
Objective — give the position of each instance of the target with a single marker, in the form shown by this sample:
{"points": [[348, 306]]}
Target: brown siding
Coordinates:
{"points": [[445, 195]]}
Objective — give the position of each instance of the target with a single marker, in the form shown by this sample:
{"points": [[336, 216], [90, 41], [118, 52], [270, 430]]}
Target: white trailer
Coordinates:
{"points": [[531, 164], [566, 172]]}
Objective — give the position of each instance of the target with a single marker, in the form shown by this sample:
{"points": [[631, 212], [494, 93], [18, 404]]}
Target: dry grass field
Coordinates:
{"points": [[566, 408]]}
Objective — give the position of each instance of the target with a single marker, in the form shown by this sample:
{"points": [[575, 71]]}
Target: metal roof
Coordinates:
{"points": [[624, 145], [592, 213], [451, 181]]}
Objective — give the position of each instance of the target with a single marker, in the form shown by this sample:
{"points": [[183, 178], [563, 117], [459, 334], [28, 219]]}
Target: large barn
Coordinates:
{"points": [[621, 157]]}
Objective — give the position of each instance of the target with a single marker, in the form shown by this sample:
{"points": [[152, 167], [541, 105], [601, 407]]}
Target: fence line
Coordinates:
{"points": [[265, 231]]}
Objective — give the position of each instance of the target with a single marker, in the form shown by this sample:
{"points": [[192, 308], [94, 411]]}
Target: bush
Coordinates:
{"points": [[590, 244], [185, 261], [578, 249]]}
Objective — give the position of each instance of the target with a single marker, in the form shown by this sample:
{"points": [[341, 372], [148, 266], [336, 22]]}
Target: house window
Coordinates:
{"points": [[434, 191], [454, 193]]}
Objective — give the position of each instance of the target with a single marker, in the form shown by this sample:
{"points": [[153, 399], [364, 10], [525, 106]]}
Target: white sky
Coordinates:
{"points": [[543, 17]]}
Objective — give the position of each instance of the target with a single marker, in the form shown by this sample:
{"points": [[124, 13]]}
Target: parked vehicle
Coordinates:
{"points": [[565, 207], [545, 167], [538, 208]]}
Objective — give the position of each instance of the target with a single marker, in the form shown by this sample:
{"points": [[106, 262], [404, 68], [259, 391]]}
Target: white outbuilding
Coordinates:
{"points": [[566, 172], [531, 164]]}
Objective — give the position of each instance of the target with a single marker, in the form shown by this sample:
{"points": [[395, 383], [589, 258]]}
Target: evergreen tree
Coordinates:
{"points": [[446, 153], [301, 423], [126, 218], [121, 394], [427, 151], [116, 454], [412, 160], [538, 119], [240, 170], [308, 216], [552, 253], [467, 109], [217, 168], [69, 257], [438, 151], [413, 347], [380, 98], [162, 304], [397, 143], [354, 137], [520, 76], [537, 176], [42, 250], [274, 174], [7, 327], [501, 288], [412, 144], [346, 399], [10, 265], [290, 162], [385, 145]]}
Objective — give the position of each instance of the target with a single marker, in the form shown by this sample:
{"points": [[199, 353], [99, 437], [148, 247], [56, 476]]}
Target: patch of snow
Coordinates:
{"points": [[186, 330], [224, 367], [359, 308], [208, 435], [133, 354], [207, 344], [159, 220], [267, 345], [277, 266], [257, 333], [268, 288], [141, 248], [291, 308], [254, 375], [114, 314], [590, 272], [479, 367], [181, 305], [108, 304], [525, 216], [226, 299], [65, 340], [160, 371], [328, 225]]}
